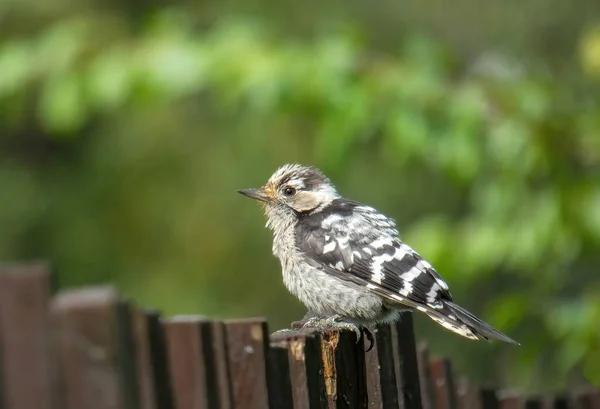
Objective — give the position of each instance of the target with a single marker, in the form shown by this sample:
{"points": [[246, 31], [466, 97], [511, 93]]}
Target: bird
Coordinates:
{"points": [[346, 263]]}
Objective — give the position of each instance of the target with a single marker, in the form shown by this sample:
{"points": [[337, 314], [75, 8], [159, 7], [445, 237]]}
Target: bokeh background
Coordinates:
{"points": [[126, 127]]}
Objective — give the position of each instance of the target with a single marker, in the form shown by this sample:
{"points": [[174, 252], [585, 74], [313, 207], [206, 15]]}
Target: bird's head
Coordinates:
{"points": [[295, 189]]}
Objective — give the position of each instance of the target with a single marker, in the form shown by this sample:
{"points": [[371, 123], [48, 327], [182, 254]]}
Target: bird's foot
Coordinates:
{"points": [[336, 322]]}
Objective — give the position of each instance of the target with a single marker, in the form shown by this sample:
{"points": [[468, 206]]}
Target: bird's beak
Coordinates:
{"points": [[258, 194]]}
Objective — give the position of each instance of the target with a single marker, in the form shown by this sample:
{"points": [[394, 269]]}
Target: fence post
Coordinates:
{"points": [[425, 376], [151, 360], [443, 383], [305, 366], [409, 367], [279, 384], [510, 400], [344, 370], [93, 344], [26, 372], [247, 342], [191, 362], [388, 364], [373, 371], [586, 398]]}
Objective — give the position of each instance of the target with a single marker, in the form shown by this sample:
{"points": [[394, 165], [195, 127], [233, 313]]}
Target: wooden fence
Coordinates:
{"points": [[92, 349]]}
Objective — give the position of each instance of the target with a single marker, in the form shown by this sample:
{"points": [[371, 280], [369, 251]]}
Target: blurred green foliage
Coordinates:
{"points": [[124, 138]]}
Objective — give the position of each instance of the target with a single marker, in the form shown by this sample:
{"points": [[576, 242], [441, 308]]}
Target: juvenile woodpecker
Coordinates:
{"points": [[345, 261]]}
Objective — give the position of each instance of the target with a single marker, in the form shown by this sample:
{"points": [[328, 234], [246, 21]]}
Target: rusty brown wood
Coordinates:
{"points": [[191, 362], [409, 368], [425, 376], [151, 362], [25, 292], [443, 383], [278, 377], [296, 357], [246, 342], [306, 368], [297, 361], [344, 370], [94, 348]]}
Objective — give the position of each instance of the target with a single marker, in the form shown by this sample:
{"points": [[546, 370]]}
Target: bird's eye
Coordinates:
{"points": [[289, 191]]}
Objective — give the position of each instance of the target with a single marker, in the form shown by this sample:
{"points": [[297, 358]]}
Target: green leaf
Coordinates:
{"points": [[63, 108]]}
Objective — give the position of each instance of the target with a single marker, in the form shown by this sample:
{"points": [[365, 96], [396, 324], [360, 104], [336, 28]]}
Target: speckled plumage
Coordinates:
{"points": [[343, 258]]}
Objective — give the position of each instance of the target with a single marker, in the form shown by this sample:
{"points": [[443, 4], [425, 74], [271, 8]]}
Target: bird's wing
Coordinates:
{"points": [[356, 243]]}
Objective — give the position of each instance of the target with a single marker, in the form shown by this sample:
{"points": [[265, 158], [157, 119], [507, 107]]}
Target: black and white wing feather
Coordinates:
{"points": [[354, 242]]}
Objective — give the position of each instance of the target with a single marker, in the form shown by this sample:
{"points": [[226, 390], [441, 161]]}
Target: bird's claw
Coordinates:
{"points": [[336, 322]]}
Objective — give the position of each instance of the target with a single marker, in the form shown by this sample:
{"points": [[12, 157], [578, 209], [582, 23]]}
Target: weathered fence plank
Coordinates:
{"points": [[586, 398], [191, 362], [306, 370], [153, 378], [297, 361], [373, 372], [222, 378], [425, 376], [489, 399], [443, 383], [467, 395], [94, 349], [344, 368], [558, 402], [409, 367], [247, 342], [26, 373], [388, 364], [533, 402], [510, 400], [278, 372]]}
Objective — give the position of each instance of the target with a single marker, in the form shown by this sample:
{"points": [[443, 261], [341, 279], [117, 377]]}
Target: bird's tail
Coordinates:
{"points": [[457, 319]]}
